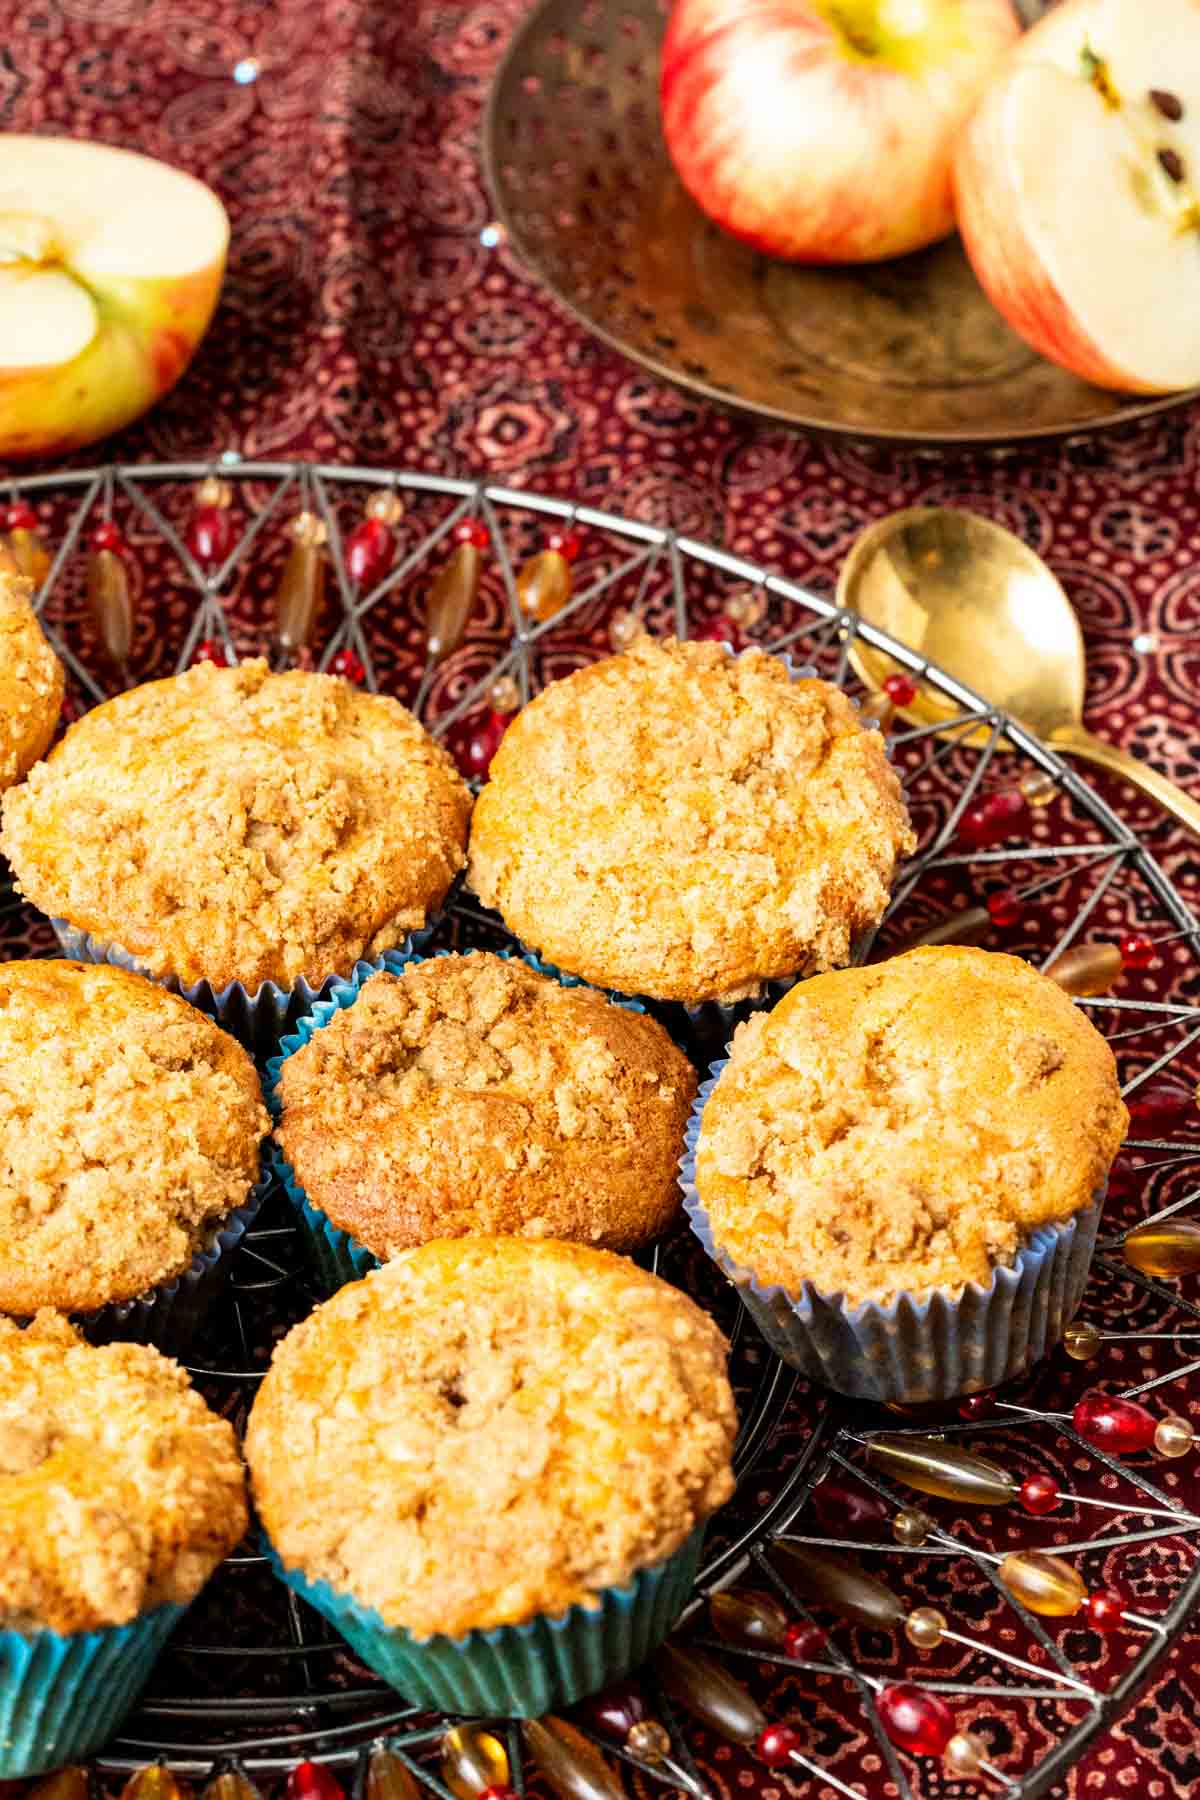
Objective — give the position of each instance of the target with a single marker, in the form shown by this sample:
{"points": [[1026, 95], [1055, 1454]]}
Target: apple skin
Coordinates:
{"points": [[1007, 265], [809, 150], [148, 332]]}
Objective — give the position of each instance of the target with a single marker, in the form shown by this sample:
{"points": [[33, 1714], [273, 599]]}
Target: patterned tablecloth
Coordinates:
{"points": [[369, 316]]}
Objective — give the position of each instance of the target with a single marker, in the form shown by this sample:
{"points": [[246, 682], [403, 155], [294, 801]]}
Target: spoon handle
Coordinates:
{"points": [[1080, 742]]}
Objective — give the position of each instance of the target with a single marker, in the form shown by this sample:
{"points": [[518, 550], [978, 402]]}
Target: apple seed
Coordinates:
{"points": [[1169, 105], [1171, 164]]}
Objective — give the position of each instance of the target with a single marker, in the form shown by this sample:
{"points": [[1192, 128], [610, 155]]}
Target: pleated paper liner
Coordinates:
{"points": [[914, 1350], [517, 1671]]}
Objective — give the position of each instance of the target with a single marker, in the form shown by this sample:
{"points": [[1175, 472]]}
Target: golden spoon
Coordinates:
{"points": [[980, 604]]}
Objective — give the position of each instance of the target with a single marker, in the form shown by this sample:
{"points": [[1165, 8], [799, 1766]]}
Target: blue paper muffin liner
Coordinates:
{"points": [[168, 1317], [913, 1350], [337, 1257], [61, 1698], [258, 1020], [517, 1671]]}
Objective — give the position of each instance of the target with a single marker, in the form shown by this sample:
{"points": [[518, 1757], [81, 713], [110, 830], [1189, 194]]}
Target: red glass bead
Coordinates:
{"points": [[565, 542], [472, 531], [209, 651], [106, 536], [901, 690], [482, 745], [614, 1712], [719, 630], [1121, 1427], [804, 1641], [369, 552], [1137, 952], [209, 536], [1159, 1105], [348, 666], [18, 517], [498, 1791], [1004, 907], [845, 1511], [775, 1745], [312, 1781], [976, 1406], [914, 1719], [1039, 1494], [993, 819], [1104, 1610]]}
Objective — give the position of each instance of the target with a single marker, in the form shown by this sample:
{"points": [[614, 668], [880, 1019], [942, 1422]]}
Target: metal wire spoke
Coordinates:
{"points": [[256, 1675]]}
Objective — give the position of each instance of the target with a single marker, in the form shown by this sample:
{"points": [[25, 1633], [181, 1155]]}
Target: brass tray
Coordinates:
{"points": [[909, 351]]}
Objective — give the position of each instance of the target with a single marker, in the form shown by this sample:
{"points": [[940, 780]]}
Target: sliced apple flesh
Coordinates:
{"points": [[1078, 192], [110, 267]]}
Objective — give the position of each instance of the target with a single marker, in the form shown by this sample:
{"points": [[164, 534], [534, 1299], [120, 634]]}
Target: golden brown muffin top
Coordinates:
{"points": [[129, 1127], [487, 1429], [472, 1095], [31, 682], [119, 1489], [686, 824], [234, 825], [906, 1126]]}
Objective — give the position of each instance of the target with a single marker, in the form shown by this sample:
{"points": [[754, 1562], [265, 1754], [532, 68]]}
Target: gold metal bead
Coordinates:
{"points": [[505, 695], [1173, 1436], [212, 491], [964, 1753], [911, 1527], [386, 506], [648, 1740], [623, 627], [924, 1627], [1081, 1341], [1038, 787], [307, 528]]}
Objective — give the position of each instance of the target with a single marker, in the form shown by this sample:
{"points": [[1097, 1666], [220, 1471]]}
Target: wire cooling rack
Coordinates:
{"points": [[253, 1674]]}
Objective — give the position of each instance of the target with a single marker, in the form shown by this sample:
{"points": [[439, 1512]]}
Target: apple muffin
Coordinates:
{"points": [[231, 825], [31, 683], [121, 1494], [910, 1155], [130, 1128], [473, 1095], [489, 1432], [688, 825]]}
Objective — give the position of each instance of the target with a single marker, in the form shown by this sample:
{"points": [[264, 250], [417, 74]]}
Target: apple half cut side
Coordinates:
{"points": [[1078, 192], [110, 267]]}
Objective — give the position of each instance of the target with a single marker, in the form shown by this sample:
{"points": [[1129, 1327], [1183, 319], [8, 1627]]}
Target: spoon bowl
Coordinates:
{"points": [[983, 606]]}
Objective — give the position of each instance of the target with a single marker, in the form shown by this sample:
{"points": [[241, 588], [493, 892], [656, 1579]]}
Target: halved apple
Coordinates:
{"points": [[1077, 189], [110, 267]]}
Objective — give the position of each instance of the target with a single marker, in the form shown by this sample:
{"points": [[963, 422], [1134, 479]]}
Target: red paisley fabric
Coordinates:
{"points": [[365, 319]]}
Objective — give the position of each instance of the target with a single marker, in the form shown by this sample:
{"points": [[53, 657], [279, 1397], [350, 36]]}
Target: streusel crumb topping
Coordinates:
{"points": [[119, 1489], [233, 825], [31, 682], [487, 1429]]}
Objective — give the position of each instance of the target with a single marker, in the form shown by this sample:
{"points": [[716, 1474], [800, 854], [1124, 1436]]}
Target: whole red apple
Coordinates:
{"points": [[1078, 192], [823, 130]]}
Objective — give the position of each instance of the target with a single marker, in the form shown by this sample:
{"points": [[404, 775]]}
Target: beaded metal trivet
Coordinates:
{"points": [[938, 1629]]}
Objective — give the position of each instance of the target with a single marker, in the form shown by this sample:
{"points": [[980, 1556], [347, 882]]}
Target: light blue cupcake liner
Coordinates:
{"points": [[258, 1020], [61, 1698], [517, 1671], [336, 1256], [170, 1316], [913, 1351]]}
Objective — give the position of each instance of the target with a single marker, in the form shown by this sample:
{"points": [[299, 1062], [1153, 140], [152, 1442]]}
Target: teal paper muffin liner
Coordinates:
{"points": [[913, 1351], [517, 1671], [168, 1317], [62, 1698], [337, 1257]]}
